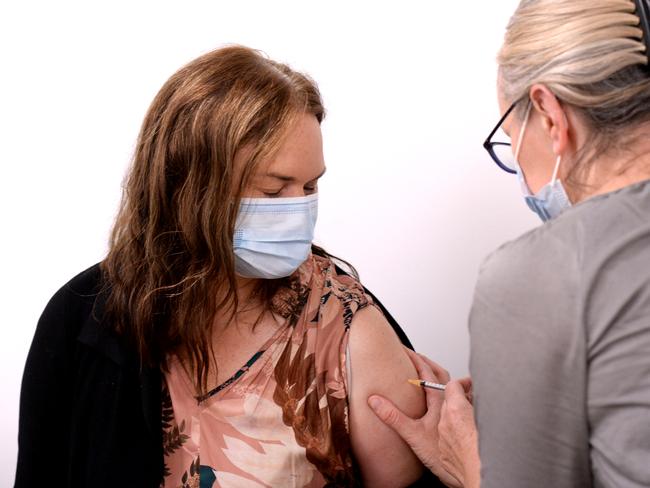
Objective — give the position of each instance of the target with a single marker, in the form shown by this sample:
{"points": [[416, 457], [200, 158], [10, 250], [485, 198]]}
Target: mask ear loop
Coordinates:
{"points": [[558, 161], [555, 171]]}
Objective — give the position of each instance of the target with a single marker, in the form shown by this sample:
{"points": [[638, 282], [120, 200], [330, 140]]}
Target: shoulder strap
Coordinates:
{"points": [[391, 320]]}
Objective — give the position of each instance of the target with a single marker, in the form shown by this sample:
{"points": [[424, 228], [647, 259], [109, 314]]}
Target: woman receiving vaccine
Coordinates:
{"points": [[214, 345]]}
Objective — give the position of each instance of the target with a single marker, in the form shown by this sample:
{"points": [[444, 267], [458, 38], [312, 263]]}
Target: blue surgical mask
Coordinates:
{"points": [[551, 200], [273, 236]]}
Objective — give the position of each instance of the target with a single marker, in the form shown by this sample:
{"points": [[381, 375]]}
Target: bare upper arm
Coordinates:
{"points": [[379, 365]]}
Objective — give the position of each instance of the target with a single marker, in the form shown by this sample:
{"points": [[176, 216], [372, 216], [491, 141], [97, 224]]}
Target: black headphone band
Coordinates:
{"points": [[643, 12]]}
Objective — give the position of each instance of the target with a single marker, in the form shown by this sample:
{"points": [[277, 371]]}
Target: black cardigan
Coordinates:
{"points": [[89, 416]]}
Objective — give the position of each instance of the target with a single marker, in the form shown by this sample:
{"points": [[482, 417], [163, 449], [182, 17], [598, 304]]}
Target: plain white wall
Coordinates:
{"points": [[410, 197]]}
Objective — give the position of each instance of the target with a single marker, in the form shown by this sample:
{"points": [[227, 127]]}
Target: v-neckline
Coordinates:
{"points": [[241, 371]]}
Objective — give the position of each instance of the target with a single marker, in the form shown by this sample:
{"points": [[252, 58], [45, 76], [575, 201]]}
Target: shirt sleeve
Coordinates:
{"points": [[617, 314], [528, 363], [44, 413]]}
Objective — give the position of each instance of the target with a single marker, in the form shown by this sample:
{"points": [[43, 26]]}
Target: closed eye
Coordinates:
{"points": [[272, 193]]}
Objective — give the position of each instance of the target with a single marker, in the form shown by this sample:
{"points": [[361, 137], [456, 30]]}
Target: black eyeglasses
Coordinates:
{"points": [[501, 151]]}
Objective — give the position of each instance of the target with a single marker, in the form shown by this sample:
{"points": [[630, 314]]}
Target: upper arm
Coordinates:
{"points": [[618, 324], [42, 423], [379, 365], [528, 364]]}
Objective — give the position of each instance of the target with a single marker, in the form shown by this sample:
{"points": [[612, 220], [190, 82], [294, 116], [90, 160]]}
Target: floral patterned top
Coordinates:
{"points": [[282, 419]]}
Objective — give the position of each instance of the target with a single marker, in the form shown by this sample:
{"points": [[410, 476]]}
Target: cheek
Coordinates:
{"points": [[537, 161]]}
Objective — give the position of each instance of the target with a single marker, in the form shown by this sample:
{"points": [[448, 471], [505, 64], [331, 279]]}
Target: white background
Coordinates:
{"points": [[410, 197]]}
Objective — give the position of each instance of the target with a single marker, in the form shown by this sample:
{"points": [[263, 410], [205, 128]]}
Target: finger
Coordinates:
{"points": [[466, 383], [449, 413], [455, 392], [423, 363], [423, 369], [393, 417], [434, 398], [441, 373]]}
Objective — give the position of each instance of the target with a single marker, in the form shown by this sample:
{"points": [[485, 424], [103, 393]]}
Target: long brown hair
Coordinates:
{"points": [[171, 247]]}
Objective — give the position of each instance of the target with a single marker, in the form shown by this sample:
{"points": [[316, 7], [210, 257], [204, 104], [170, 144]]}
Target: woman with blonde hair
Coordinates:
{"points": [[560, 324], [215, 345]]}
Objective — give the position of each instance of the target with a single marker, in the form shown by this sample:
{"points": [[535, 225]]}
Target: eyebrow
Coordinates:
{"points": [[291, 178]]}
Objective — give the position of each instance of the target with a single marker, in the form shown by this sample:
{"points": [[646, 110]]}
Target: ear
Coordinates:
{"points": [[554, 118]]}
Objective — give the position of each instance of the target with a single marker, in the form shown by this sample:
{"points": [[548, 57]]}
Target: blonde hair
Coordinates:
{"points": [[590, 53]]}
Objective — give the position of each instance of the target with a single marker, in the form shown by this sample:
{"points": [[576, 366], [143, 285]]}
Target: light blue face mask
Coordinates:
{"points": [[273, 236], [551, 200]]}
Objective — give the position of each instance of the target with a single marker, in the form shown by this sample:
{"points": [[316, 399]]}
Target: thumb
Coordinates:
{"points": [[457, 391], [392, 416]]}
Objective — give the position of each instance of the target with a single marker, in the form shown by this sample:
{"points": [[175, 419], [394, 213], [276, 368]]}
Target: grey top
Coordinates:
{"points": [[560, 350]]}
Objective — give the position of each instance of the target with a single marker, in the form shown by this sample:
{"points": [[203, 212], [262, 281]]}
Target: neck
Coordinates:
{"points": [[614, 173], [245, 289]]}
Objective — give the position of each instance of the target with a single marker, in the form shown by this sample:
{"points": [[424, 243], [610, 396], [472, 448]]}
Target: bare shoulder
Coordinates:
{"points": [[374, 343], [379, 365]]}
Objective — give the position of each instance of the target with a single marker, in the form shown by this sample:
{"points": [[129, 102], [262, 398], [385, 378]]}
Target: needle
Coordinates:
{"points": [[428, 384]]}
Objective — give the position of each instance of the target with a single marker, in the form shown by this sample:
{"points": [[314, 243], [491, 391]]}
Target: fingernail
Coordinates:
{"points": [[374, 403]]}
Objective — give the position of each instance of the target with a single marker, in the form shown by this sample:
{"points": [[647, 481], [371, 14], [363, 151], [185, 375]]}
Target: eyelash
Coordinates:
{"points": [[275, 194]]}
